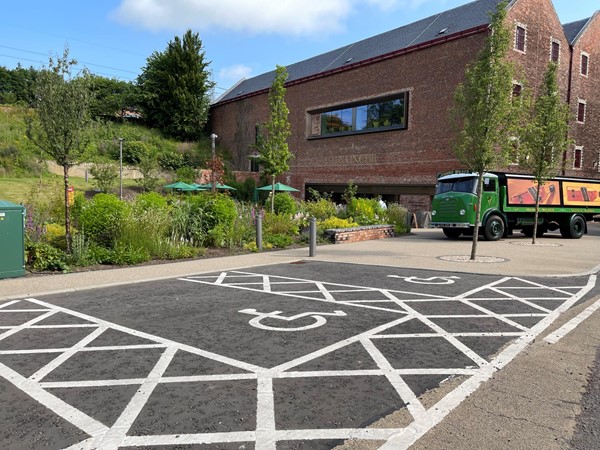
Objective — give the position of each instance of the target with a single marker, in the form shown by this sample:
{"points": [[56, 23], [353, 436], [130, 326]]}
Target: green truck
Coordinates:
{"points": [[508, 204]]}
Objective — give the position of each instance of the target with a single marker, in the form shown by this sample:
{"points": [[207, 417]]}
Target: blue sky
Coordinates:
{"points": [[242, 38]]}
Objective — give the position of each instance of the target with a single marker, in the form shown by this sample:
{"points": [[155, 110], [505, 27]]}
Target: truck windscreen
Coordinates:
{"points": [[468, 185]]}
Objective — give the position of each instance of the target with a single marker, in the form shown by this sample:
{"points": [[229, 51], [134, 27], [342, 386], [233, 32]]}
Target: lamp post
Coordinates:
{"points": [[121, 168], [213, 183]]}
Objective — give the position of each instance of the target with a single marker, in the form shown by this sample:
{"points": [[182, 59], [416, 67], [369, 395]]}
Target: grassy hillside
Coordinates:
{"points": [[19, 157]]}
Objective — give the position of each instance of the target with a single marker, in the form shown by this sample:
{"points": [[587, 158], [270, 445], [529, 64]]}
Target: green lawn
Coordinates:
{"points": [[17, 190]]}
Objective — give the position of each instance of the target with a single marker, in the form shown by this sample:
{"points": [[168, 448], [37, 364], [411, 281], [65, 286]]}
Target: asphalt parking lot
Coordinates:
{"points": [[301, 355]]}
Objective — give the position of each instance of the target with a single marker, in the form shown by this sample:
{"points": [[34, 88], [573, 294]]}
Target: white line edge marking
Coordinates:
{"points": [[553, 338]]}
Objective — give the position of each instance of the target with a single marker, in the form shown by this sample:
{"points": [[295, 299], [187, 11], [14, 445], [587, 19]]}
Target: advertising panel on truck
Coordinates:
{"points": [[522, 191], [581, 194]]}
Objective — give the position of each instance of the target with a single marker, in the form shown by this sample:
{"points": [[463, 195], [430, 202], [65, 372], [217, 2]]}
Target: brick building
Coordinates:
{"points": [[377, 111]]}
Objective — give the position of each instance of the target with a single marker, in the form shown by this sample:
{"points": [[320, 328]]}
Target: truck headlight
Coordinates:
{"points": [[462, 212], [434, 212]]}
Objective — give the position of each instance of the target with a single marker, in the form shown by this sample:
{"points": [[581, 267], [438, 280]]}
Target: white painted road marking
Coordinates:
{"points": [[265, 435], [430, 280], [318, 316]]}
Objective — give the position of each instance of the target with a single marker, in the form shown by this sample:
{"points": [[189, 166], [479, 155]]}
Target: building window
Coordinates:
{"points": [[578, 158], [581, 112], [555, 51], [520, 36], [585, 62], [388, 113]]}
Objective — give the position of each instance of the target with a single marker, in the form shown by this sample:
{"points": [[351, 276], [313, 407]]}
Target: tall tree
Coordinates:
{"points": [[61, 125], [545, 136], [176, 88], [273, 147], [112, 97], [484, 112]]}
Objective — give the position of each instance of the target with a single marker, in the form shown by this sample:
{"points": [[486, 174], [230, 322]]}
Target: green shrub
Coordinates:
{"points": [[243, 229], [150, 201], [321, 209], [336, 222], [42, 256], [205, 219], [365, 211], [284, 203], [145, 230], [81, 254], [126, 255], [101, 218], [279, 240], [105, 176], [279, 224], [186, 174], [397, 215]]}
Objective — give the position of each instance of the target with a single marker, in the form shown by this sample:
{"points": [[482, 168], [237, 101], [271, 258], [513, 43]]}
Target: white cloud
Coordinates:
{"points": [[234, 73], [285, 17]]}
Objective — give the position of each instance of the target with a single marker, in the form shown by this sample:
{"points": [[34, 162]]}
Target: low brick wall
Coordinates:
{"points": [[364, 233]]}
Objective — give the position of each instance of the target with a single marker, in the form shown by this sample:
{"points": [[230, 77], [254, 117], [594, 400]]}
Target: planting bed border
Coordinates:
{"points": [[362, 233]]}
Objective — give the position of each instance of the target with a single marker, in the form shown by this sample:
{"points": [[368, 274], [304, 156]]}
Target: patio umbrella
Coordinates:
{"points": [[278, 187], [181, 186], [219, 186]]}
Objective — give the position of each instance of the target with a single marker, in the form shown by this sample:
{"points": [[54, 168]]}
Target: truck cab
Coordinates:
{"points": [[454, 205]]}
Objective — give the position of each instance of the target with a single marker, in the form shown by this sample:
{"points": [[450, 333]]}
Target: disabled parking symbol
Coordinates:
{"points": [[319, 320], [430, 280]]}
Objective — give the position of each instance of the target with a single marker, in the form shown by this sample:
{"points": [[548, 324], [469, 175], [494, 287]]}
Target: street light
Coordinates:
{"points": [[121, 168], [213, 182]]}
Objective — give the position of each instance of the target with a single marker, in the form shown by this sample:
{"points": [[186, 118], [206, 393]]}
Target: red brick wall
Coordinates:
{"points": [[587, 135], [406, 157], [411, 157], [343, 236]]}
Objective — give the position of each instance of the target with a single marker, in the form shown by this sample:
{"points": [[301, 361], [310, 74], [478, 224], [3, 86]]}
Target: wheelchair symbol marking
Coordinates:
{"points": [[430, 280], [317, 316]]}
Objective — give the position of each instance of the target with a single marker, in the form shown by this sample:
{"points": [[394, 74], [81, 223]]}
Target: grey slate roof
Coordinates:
{"points": [[573, 29], [455, 20]]}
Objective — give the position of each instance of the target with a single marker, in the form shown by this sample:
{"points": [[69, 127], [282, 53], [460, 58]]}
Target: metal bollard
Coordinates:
{"points": [[258, 231], [312, 249]]}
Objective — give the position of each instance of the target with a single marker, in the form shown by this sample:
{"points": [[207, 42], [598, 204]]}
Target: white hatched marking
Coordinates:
{"points": [[79, 419], [7, 304], [41, 373], [115, 436], [265, 435], [26, 325], [414, 406], [407, 437]]}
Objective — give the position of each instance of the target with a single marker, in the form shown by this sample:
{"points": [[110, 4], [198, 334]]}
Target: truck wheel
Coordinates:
{"points": [[453, 233], [494, 228], [575, 229]]}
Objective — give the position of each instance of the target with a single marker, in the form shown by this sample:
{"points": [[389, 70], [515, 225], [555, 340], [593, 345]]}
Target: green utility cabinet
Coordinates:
{"points": [[12, 240]]}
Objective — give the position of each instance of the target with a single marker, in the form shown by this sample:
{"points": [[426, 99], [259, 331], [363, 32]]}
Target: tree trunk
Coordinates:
{"points": [[272, 194], [477, 216], [537, 211], [67, 209]]}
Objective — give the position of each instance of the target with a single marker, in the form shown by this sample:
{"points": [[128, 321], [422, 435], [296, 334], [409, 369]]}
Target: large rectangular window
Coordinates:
{"points": [[377, 115]]}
